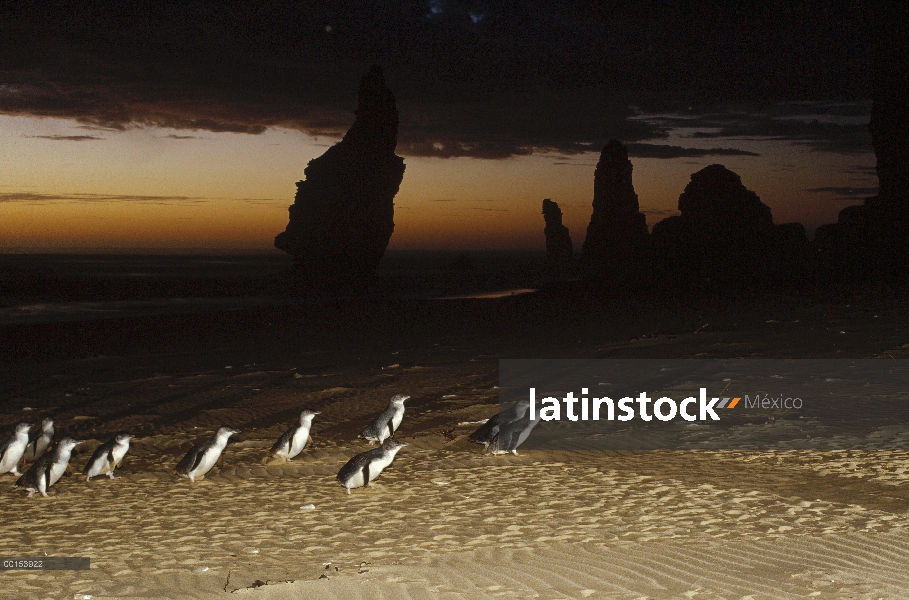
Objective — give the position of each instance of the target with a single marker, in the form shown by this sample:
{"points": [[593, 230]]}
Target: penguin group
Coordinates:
{"points": [[51, 461], [503, 433], [507, 430]]}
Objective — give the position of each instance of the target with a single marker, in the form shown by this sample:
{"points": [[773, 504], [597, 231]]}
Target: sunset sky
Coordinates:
{"points": [[142, 126]]}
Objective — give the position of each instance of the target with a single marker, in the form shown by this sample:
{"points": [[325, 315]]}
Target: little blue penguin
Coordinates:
{"points": [[203, 456], [490, 428], [108, 457], [49, 468], [12, 450], [294, 439], [40, 441], [363, 468], [512, 435], [387, 423]]}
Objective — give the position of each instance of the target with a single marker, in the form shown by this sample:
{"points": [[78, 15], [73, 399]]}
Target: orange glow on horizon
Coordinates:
{"points": [[143, 189]]}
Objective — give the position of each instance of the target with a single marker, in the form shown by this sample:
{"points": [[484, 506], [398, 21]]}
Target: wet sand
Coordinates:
{"points": [[444, 520]]}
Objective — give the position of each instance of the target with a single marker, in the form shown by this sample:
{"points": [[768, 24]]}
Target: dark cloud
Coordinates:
{"points": [[865, 172], [845, 193], [485, 80], [282, 204], [181, 137], [667, 151], [662, 213], [36, 198], [853, 191], [820, 126], [66, 138]]}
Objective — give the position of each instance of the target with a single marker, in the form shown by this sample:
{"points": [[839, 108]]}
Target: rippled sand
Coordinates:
{"points": [[444, 520]]}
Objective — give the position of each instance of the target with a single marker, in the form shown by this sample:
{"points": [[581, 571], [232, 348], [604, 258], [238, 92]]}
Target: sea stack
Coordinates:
{"points": [[725, 236], [343, 213], [616, 249], [870, 241], [559, 248]]}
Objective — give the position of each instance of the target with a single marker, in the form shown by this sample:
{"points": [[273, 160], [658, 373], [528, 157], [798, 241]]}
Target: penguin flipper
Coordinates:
{"points": [[391, 427], [365, 474], [283, 443], [191, 460], [486, 431], [220, 462]]}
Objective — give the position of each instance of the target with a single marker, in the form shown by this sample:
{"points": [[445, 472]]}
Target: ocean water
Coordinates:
{"points": [[37, 288]]}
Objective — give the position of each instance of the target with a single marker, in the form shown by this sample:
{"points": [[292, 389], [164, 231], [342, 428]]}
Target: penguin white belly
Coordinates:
{"points": [[119, 452], [42, 485], [56, 472], [11, 457], [41, 444], [298, 442], [208, 460], [375, 468], [355, 480], [523, 435], [396, 419], [101, 466]]}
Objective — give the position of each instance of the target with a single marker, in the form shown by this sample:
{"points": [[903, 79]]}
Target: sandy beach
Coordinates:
{"points": [[445, 520]]}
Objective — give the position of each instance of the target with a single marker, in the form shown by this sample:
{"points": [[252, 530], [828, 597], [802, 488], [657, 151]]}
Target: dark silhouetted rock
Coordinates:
{"points": [[343, 213], [616, 249], [725, 236], [789, 256], [889, 124], [871, 241], [559, 249]]}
